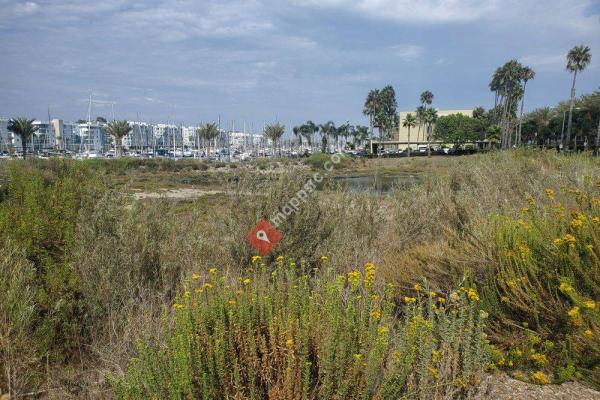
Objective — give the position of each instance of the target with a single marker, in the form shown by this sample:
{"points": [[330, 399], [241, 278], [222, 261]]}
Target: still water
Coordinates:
{"points": [[379, 184]]}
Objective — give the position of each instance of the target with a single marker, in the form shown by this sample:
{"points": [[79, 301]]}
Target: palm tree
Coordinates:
{"points": [[527, 74], [410, 121], [371, 107], [326, 129], [421, 118], [118, 130], [312, 129], [426, 100], [430, 118], [361, 133], [208, 132], [578, 59], [23, 128], [274, 132], [297, 131]]}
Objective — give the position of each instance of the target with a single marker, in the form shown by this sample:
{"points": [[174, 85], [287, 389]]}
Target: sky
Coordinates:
{"points": [[289, 61]]}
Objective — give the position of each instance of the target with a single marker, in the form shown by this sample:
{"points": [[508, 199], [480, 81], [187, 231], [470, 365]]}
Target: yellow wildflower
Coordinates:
{"points": [[434, 372], [569, 238], [198, 290], [357, 357], [558, 241], [324, 259], [550, 193], [256, 259], [540, 378], [290, 342], [409, 300], [576, 223], [565, 287], [279, 259], [525, 210], [195, 276], [539, 359], [178, 306], [596, 220], [501, 362], [212, 271], [247, 281], [472, 294], [510, 364], [432, 294], [369, 274], [504, 299], [354, 277], [435, 356], [573, 312], [383, 331], [376, 314], [589, 247], [208, 285], [417, 287], [441, 300], [231, 302], [588, 334], [591, 304]]}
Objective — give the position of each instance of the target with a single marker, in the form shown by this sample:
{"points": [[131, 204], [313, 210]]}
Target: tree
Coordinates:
{"points": [[326, 129], [371, 107], [208, 132], [101, 119], [360, 133], [297, 131], [578, 59], [456, 129], [380, 106], [118, 130], [274, 132], [410, 121], [421, 118], [23, 128], [310, 130], [430, 118], [527, 74], [506, 83]]}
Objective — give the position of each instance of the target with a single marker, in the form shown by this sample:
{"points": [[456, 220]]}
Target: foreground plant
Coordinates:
{"points": [[279, 333], [547, 285]]}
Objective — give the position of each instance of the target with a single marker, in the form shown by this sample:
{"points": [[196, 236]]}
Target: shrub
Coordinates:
{"points": [[319, 160], [280, 333], [547, 281]]}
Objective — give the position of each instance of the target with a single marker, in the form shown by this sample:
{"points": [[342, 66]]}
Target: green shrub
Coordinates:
{"points": [[547, 281], [321, 160], [279, 333]]}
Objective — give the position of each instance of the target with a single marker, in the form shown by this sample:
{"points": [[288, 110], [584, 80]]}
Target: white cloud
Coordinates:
{"points": [[407, 52], [29, 7]]}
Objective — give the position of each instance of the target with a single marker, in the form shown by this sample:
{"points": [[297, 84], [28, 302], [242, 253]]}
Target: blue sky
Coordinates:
{"points": [[254, 61]]}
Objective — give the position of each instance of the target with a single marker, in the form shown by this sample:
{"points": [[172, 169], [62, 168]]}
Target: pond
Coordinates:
{"points": [[379, 184]]}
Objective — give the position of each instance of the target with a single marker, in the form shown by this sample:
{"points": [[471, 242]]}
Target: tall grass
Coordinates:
{"points": [[280, 333]]}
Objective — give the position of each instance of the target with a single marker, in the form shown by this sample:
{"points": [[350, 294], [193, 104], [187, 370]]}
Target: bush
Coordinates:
{"points": [[321, 160], [547, 281], [280, 333]]}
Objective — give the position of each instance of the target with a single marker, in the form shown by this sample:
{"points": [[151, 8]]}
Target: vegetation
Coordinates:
{"points": [[578, 59], [118, 130], [274, 132], [23, 128], [282, 332]]}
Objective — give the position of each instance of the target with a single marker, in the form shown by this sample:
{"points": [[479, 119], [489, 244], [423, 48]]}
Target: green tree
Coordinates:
{"points": [[118, 130], [578, 59], [275, 132], [208, 132], [506, 83], [23, 128], [456, 129], [297, 131], [371, 108], [361, 134], [410, 121]]}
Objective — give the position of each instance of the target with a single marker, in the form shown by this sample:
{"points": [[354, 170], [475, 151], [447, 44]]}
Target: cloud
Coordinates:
{"points": [[407, 52]]}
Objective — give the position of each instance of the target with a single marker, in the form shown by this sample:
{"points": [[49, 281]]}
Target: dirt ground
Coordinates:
{"points": [[502, 387]]}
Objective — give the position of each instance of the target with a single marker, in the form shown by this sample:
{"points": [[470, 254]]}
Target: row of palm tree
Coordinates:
{"points": [[328, 130], [425, 117]]}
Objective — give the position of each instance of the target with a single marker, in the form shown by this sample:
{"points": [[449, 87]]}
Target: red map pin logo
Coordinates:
{"points": [[263, 237]]}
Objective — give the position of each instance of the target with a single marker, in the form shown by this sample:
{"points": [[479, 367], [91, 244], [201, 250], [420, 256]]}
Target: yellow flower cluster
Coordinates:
{"points": [[409, 300], [417, 287], [540, 378], [369, 274], [539, 359], [354, 277], [472, 294], [195, 276], [376, 314], [247, 281], [550, 193], [256, 259], [573, 312], [591, 304]]}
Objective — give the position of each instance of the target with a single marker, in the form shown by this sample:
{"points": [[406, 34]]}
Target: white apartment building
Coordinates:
{"points": [[189, 136], [66, 135], [5, 136]]}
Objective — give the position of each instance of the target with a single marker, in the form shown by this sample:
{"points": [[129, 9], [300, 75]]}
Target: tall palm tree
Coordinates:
{"points": [[297, 131], [410, 121], [274, 132], [208, 132], [361, 133], [312, 130], [23, 128], [426, 100], [118, 130], [371, 108], [578, 59], [527, 74], [326, 129], [421, 118], [430, 118]]}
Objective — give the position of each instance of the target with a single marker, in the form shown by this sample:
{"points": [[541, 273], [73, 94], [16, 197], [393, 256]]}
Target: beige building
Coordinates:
{"points": [[419, 136]]}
